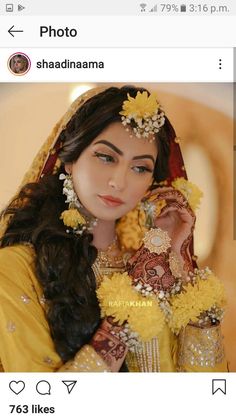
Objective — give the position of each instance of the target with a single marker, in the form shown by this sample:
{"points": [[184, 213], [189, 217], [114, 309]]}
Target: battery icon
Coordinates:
{"points": [[183, 8]]}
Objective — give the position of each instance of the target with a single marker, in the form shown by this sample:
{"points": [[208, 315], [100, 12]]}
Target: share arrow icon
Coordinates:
{"points": [[69, 385]]}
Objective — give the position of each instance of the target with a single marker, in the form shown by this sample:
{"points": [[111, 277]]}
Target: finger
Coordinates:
{"points": [[171, 195], [166, 194], [159, 192], [185, 212], [174, 205], [175, 216], [180, 202], [161, 189]]}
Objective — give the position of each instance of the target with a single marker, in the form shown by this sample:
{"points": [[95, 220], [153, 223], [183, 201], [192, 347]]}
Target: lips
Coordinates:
{"points": [[111, 201]]}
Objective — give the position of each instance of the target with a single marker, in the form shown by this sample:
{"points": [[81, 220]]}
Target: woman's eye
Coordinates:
{"points": [[141, 169], [106, 158]]}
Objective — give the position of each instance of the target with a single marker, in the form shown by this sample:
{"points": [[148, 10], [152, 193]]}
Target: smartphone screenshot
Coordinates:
{"points": [[117, 209]]}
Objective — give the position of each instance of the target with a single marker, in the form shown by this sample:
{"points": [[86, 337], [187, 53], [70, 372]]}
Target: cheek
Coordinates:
{"points": [[85, 177], [137, 190]]}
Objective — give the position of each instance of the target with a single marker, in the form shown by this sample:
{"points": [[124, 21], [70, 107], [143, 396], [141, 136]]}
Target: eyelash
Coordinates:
{"points": [[102, 156], [144, 169]]}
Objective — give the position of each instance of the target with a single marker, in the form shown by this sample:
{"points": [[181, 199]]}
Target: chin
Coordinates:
{"points": [[110, 215]]}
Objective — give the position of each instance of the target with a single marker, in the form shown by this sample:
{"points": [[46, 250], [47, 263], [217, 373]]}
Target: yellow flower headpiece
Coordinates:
{"points": [[144, 114]]}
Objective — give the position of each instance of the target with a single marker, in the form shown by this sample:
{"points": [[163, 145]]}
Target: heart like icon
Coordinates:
{"points": [[17, 386]]}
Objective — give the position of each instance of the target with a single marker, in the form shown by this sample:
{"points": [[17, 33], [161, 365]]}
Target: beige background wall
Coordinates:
{"points": [[202, 117]]}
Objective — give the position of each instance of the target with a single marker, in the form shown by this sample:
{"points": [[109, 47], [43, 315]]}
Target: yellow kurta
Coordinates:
{"points": [[26, 344]]}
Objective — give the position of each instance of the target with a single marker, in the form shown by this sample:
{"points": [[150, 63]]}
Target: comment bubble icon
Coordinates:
{"points": [[43, 387]]}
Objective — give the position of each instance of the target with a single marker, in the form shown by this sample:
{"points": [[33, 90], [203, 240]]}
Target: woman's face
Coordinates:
{"points": [[19, 65], [114, 172]]}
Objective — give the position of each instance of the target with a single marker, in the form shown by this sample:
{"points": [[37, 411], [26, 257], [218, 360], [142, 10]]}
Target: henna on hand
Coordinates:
{"points": [[152, 269], [108, 346], [186, 255], [178, 219]]}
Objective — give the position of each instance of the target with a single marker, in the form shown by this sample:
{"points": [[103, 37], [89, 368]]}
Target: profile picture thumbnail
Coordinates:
{"points": [[19, 64]]}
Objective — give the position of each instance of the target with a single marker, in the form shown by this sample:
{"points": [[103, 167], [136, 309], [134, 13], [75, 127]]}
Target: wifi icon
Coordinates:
{"points": [[143, 7]]}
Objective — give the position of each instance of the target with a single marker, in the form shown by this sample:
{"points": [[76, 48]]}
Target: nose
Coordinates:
{"points": [[118, 179]]}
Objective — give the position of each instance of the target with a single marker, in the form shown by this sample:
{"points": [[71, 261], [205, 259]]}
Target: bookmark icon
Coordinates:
{"points": [[218, 385]]}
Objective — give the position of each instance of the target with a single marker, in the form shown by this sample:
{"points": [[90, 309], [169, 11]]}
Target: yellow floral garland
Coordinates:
{"points": [[195, 299], [72, 218], [190, 191], [131, 228], [118, 298]]}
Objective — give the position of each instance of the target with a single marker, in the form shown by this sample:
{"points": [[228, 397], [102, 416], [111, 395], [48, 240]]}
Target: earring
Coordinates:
{"points": [[152, 207], [68, 190], [72, 217], [149, 209]]}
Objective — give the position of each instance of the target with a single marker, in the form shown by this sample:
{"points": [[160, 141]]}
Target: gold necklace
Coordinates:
{"points": [[111, 257]]}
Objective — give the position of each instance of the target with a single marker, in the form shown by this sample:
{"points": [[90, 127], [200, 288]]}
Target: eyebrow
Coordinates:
{"points": [[118, 151]]}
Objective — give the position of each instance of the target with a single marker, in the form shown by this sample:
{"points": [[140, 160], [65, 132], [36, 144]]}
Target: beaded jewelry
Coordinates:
{"points": [[72, 217], [143, 114], [109, 258]]}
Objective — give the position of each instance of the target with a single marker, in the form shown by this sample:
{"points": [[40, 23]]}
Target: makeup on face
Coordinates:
{"points": [[148, 160], [114, 172]]}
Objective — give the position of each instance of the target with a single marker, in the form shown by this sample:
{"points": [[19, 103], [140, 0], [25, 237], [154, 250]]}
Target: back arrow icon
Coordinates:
{"points": [[11, 31]]}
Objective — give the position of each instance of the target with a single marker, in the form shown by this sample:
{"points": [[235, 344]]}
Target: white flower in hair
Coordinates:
{"points": [[144, 114]]}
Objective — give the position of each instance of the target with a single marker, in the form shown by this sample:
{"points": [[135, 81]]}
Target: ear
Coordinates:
{"points": [[68, 168]]}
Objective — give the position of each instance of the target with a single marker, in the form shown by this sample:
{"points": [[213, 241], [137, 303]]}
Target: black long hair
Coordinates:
{"points": [[63, 262]]}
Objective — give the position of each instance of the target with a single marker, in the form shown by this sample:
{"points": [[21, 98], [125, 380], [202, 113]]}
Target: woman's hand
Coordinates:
{"points": [[176, 217], [178, 220], [108, 345], [109, 325]]}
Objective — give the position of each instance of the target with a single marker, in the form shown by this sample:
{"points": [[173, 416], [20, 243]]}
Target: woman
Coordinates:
{"points": [[19, 64], [97, 271]]}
